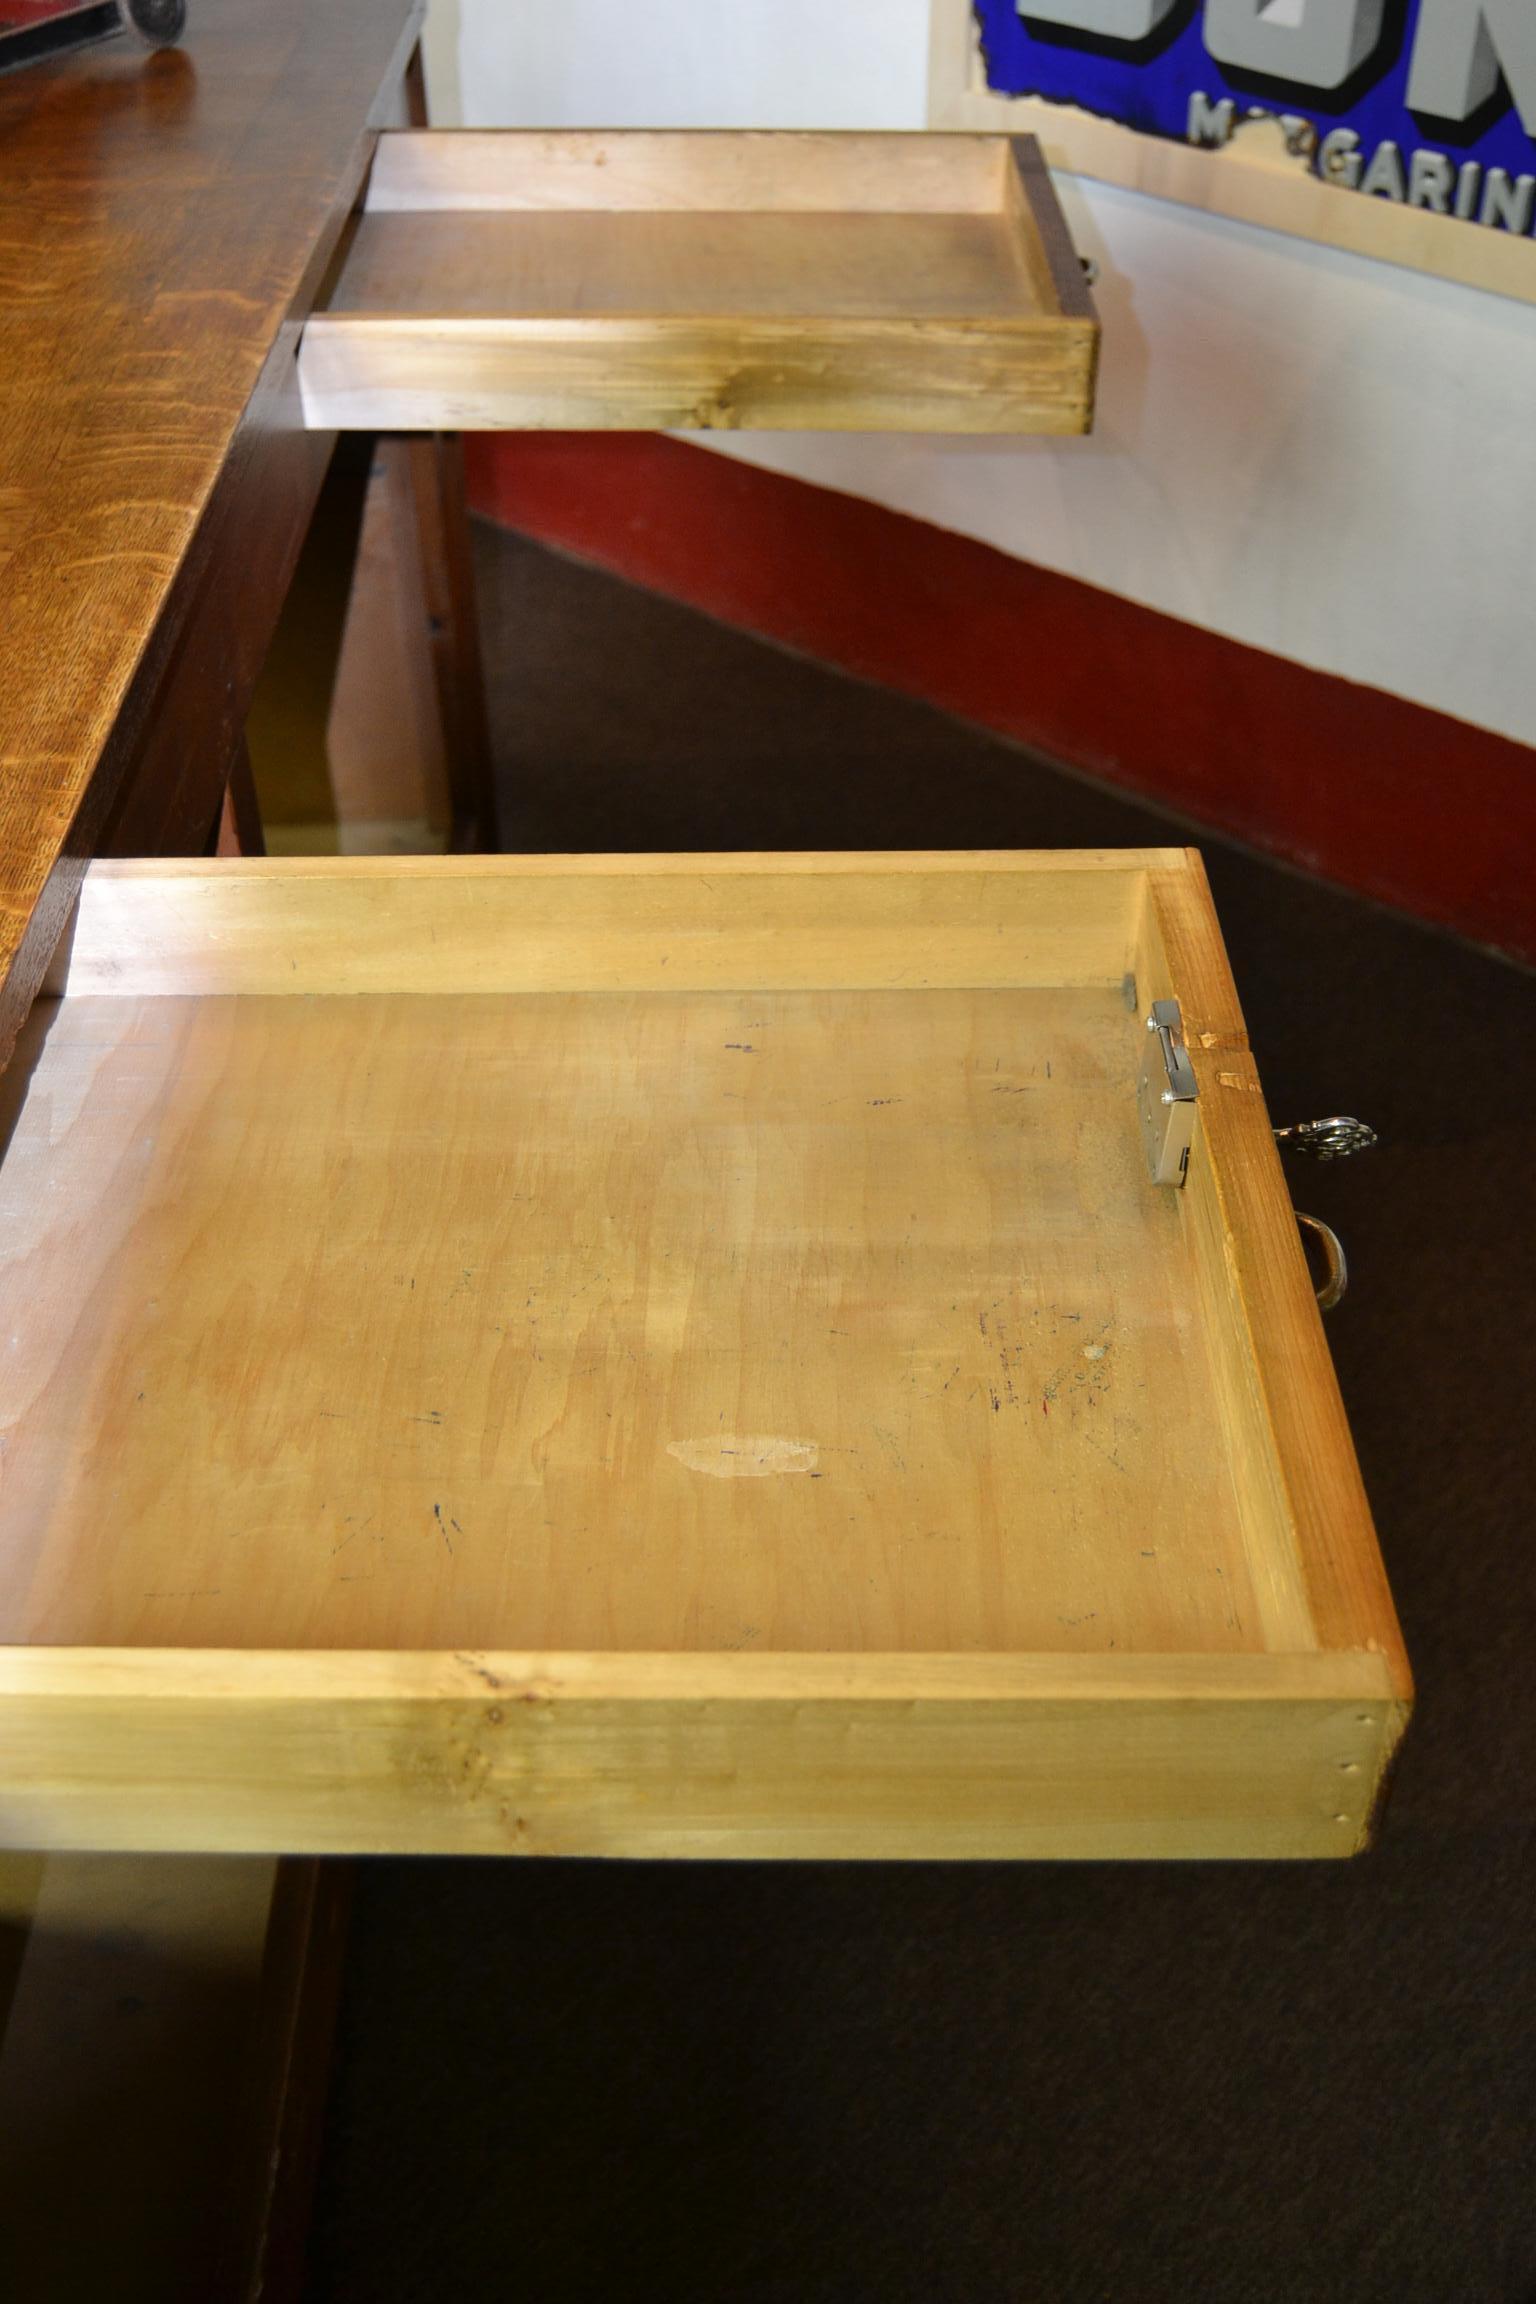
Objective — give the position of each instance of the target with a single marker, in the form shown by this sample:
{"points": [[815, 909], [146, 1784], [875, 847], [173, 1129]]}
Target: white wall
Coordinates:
{"points": [[679, 63], [1327, 457]]}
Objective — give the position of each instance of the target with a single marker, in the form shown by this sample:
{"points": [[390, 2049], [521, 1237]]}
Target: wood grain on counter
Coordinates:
{"points": [[168, 219]]}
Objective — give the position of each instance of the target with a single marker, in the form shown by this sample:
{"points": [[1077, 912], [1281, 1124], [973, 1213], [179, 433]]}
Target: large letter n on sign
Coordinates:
{"points": [[1460, 51]]}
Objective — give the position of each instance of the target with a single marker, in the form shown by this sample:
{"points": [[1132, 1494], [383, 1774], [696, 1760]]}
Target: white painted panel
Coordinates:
{"points": [[679, 63], [1328, 458]]}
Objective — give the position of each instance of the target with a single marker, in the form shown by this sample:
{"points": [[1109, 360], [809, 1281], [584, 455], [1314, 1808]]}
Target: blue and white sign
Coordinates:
{"points": [[1429, 103]]}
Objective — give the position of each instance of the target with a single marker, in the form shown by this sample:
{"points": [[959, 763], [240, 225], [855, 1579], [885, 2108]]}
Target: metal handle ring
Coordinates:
{"points": [[1331, 1289]]}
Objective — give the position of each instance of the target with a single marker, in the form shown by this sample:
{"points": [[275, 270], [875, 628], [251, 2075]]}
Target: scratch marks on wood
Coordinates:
{"points": [[888, 1443], [1090, 1382]]}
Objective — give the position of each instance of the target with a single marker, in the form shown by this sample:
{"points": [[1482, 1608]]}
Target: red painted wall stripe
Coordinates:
{"points": [[1406, 805]]}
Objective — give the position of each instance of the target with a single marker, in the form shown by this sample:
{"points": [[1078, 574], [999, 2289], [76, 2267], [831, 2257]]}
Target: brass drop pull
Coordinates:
{"points": [[1330, 1289], [1337, 1138]]}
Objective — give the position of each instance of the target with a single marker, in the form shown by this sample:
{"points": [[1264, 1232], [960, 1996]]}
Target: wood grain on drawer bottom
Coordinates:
{"points": [[835, 1320]]}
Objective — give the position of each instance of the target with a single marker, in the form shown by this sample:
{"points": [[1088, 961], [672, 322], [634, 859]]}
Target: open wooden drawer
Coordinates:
{"points": [[666, 1356], [647, 281]]}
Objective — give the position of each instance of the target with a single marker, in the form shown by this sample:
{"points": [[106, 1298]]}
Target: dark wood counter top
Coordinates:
{"points": [[166, 219]]}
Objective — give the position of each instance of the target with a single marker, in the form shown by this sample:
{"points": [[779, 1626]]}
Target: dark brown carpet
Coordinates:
{"points": [[905, 2085]]}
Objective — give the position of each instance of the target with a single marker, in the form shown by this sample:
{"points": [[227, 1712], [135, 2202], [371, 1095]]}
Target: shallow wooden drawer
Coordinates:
{"points": [[666, 1357], [647, 280]]}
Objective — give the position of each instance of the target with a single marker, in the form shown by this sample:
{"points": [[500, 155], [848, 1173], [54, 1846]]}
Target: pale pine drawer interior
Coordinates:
{"points": [[648, 280], [665, 1356]]}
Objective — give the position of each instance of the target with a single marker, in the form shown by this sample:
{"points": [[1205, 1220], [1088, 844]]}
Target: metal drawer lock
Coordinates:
{"points": [[1167, 1096]]}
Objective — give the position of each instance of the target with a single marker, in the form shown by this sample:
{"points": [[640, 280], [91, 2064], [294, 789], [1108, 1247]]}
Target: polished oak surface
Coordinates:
{"points": [[167, 219]]}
